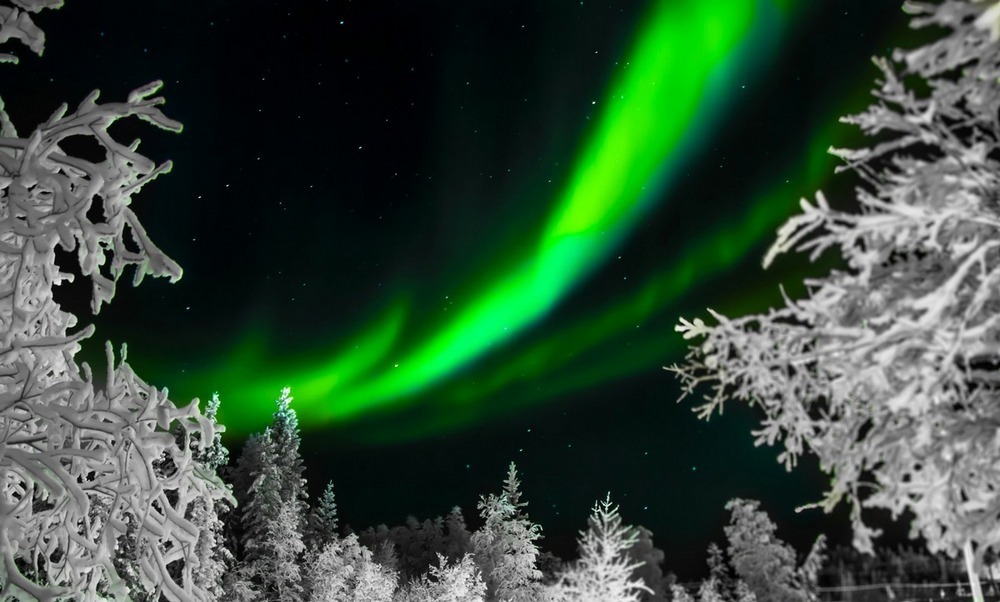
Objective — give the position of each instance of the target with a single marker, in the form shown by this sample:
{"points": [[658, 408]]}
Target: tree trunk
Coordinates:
{"points": [[977, 591]]}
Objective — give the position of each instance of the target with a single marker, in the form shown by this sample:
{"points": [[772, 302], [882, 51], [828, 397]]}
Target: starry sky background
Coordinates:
{"points": [[356, 180]]}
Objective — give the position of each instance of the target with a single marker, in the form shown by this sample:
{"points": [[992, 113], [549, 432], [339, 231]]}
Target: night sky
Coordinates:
{"points": [[462, 233]]}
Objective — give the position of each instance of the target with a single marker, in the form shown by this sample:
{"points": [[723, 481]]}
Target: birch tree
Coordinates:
{"points": [[66, 447], [888, 371]]}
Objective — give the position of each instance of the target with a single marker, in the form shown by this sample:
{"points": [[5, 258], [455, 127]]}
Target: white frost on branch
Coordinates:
{"points": [[889, 372], [65, 448]]}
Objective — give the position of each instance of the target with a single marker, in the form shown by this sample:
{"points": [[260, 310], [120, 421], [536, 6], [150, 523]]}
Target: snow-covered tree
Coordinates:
{"points": [[66, 445], [512, 487], [373, 582], [604, 572], [505, 548], [758, 557], [888, 371], [719, 571], [345, 571], [679, 594], [418, 544], [286, 439], [247, 466], [710, 591], [385, 555], [128, 556], [241, 477], [283, 579], [457, 582], [213, 454], [323, 519], [329, 573], [272, 536], [212, 553], [458, 539], [743, 592], [238, 584]]}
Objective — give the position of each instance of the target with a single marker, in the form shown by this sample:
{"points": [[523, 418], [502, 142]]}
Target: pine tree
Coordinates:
{"points": [[284, 579], [889, 368], [504, 548], [604, 571], [287, 441], [323, 519], [512, 487], [758, 557], [241, 477], [214, 454], [211, 553], [206, 514], [247, 465], [272, 514], [239, 584], [719, 571], [272, 540], [458, 540]]}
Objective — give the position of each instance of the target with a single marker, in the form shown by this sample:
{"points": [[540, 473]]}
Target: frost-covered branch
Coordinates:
{"points": [[889, 371], [78, 466]]}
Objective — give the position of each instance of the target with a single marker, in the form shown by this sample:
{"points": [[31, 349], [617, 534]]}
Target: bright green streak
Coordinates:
{"points": [[719, 250], [666, 98], [716, 252]]}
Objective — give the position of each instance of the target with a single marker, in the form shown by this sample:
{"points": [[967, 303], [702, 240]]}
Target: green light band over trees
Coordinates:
{"points": [[677, 81]]}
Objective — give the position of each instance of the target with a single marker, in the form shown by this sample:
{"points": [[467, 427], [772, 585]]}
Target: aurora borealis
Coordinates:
{"points": [[462, 233], [655, 113]]}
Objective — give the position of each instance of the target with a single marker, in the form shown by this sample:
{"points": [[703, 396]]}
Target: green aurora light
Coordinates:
{"points": [[677, 82]]}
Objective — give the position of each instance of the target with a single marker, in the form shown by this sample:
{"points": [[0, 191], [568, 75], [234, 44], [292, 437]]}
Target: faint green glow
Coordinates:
{"points": [[669, 93]]}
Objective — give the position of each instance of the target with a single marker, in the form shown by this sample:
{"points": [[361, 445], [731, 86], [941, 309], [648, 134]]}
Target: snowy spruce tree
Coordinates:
{"points": [[69, 448], [505, 548], [323, 520], [212, 553], [458, 540], [287, 441], [888, 371], [240, 477], [604, 572], [272, 517]]}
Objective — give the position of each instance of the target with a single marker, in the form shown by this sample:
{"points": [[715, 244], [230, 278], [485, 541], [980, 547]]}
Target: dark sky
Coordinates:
{"points": [[371, 203]]}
